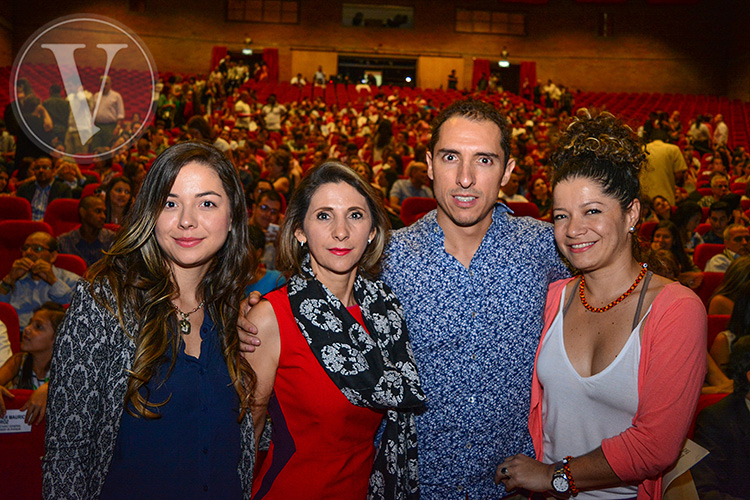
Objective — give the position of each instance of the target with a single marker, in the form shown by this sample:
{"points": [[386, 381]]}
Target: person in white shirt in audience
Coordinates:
{"points": [[509, 192], [415, 185], [736, 244]]}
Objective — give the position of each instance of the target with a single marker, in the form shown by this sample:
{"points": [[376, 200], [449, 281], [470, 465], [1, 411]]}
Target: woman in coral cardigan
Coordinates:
{"points": [[623, 352]]}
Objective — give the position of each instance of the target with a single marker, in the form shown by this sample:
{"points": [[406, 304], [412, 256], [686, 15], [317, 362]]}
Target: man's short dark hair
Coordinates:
{"points": [[272, 195], [473, 110], [739, 365], [720, 206], [87, 201]]}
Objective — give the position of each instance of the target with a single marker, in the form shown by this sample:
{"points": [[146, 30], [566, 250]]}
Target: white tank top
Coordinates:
{"points": [[579, 411]]}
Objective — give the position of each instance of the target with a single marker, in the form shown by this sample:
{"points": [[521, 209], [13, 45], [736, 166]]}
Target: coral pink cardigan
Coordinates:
{"points": [[670, 375]]}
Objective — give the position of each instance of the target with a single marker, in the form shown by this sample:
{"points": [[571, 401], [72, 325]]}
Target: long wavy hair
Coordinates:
{"points": [[736, 276], [108, 197], [678, 247], [55, 313], [138, 272]]}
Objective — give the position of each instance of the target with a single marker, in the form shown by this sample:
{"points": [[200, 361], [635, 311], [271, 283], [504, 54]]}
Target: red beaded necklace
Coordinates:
{"points": [[617, 300]]}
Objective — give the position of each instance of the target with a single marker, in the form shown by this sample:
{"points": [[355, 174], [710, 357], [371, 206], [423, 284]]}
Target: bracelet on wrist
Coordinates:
{"points": [[566, 466]]}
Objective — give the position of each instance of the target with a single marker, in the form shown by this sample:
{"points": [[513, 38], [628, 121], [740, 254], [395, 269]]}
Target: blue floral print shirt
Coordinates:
{"points": [[474, 333]]}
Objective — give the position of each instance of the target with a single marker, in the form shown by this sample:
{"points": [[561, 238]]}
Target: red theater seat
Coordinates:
{"points": [[62, 215], [9, 317], [14, 208], [704, 252], [412, 209], [72, 263], [21, 456]]}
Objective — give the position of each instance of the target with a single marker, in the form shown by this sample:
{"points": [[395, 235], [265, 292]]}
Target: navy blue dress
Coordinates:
{"points": [[193, 450]]}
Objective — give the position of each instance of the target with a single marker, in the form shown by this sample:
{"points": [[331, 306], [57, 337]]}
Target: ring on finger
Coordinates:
{"points": [[504, 472]]}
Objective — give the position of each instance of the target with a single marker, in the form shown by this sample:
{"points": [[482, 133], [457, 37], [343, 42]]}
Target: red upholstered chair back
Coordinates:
{"points": [[703, 228], [717, 323], [646, 232], [14, 233], [523, 209], [412, 209], [89, 189], [62, 215], [21, 457], [72, 263], [708, 285], [704, 252], [704, 401], [9, 317], [14, 208], [705, 212]]}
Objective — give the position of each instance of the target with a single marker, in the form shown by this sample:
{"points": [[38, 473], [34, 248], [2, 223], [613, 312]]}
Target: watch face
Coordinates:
{"points": [[560, 484]]}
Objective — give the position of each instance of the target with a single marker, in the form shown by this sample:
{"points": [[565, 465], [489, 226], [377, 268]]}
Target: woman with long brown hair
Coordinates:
{"points": [[148, 394]]}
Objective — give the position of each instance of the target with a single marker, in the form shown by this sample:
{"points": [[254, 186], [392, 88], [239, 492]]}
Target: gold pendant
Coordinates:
{"points": [[185, 327]]}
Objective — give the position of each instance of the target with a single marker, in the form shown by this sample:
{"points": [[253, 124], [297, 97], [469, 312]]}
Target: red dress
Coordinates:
{"points": [[322, 445]]}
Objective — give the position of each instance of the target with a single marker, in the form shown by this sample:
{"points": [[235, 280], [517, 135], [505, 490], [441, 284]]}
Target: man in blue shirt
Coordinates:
{"points": [[34, 280], [415, 185], [473, 282]]}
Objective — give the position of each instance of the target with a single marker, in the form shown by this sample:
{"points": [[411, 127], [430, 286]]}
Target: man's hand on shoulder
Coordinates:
{"points": [[247, 331]]}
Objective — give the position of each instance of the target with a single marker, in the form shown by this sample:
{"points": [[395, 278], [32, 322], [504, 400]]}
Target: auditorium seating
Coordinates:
{"points": [[21, 456], [129, 83], [704, 252], [412, 209], [634, 109], [708, 285], [62, 215], [646, 232], [72, 263], [9, 317], [14, 208], [523, 209]]}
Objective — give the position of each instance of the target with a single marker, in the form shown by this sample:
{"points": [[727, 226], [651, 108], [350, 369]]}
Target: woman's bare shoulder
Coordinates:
{"points": [[720, 305], [263, 316]]}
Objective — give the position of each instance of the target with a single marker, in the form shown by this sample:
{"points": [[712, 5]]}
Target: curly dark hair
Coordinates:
{"points": [[602, 148]]}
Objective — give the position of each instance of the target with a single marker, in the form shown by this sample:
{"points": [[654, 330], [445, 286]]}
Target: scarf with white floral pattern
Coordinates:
{"points": [[375, 371]]}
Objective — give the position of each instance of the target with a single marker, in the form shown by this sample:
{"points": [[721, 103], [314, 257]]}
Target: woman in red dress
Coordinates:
{"points": [[335, 358]]}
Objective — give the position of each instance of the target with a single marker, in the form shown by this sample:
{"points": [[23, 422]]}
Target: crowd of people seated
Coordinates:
{"points": [[697, 183]]}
